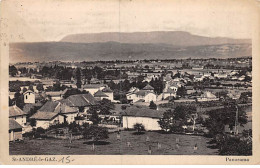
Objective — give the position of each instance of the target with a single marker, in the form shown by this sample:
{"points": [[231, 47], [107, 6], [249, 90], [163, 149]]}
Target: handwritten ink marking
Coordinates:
{"points": [[65, 160]]}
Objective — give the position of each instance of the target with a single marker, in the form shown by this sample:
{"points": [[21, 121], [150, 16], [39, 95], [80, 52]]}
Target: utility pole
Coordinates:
{"points": [[236, 121]]}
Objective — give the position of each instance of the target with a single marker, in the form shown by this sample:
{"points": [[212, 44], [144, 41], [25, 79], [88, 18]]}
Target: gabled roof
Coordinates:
{"points": [[28, 106], [49, 106], [107, 90], [15, 111], [54, 93], [80, 100], [148, 87], [92, 86], [41, 115], [28, 91], [99, 93], [142, 92], [13, 124], [143, 112], [57, 107]]}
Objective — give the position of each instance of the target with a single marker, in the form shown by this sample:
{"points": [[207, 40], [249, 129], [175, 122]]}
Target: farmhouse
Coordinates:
{"points": [[58, 107], [145, 95], [15, 130], [207, 96], [148, 117], [46, 119], [17, 114], [80, 101], [93, 88], [99, 95]]}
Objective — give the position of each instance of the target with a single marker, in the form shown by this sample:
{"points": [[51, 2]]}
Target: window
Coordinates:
{"points": [[26, 97]]}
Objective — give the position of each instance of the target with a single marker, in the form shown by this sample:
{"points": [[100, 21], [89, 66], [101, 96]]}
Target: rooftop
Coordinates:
{"points": [[13, 124], [15, 111], [143, 112]]}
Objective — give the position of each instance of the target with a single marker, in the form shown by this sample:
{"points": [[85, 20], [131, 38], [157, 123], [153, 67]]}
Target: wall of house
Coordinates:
{"points": [[71, 117], [92, 90], [150, 97], [46, 123], [15, 135], [149, 123], [55, 97], [29, 98], [20, 119], [132, 97], [110, 96]]}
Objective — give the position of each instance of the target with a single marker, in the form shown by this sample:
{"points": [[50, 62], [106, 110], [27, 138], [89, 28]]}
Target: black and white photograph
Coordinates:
{"points": [[129, 78]]}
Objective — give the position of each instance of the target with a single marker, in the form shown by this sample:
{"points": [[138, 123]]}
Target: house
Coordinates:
{"points": [[109, 93], [15, 130], [190, 90], [241, 78], [99, 95], [144, 95], [93, 88], [46, 119], [17, 114], [80, 101], [148, 117], [148, 88], [55, 95], [198, 77], [221, 75], [29, 96], [168, 94], [207, 96], [62, 108]]}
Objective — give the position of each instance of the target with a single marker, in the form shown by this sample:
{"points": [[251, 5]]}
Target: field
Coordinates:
{"points": [[139, 145]]}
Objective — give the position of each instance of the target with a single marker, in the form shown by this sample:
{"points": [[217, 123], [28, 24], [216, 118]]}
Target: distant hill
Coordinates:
{"points": [[175, 38], [67, 51]]}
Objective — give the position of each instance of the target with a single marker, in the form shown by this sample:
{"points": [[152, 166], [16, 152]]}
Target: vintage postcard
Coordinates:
{"points": [[130, 82]]}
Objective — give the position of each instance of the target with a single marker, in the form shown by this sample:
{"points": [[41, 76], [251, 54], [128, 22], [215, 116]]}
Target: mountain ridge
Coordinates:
{"points": [[175, 38]]}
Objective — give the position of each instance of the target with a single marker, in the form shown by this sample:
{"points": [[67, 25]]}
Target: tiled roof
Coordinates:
{"points": [[89, 86], [13, 124], [15, 111], [57, 107], [143, 112], [40, 115], [28, 106], [54, 93], [142, 92], [80, 100], [148, 87], [49, 106], [99, 93]]}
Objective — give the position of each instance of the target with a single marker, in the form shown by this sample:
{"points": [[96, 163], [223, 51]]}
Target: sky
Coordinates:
{"points": [[51, 20]]}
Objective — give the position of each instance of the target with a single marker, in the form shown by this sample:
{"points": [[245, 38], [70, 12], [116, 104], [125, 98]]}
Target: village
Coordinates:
{"points": [[179, 106]]}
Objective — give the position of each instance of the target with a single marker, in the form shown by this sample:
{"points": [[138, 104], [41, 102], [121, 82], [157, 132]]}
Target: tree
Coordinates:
{"points": [[152, 105], [93, 110], [95, 133], [166, 121], [78, 78], [173, 120], [39, 87], [105, 106], [139, 127], [31, 88], [181, 91], [227, 116], [12, 70]]}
